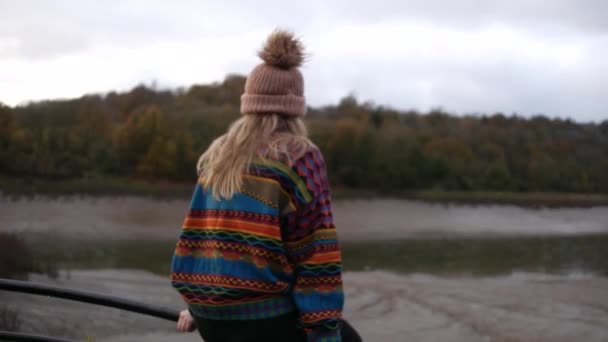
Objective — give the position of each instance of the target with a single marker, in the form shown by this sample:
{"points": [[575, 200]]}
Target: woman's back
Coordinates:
{"points": [[269, 250], [258, 247]]}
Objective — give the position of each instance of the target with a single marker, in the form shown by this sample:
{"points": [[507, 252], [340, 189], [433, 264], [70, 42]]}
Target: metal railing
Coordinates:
{"points": [[80, 296]]}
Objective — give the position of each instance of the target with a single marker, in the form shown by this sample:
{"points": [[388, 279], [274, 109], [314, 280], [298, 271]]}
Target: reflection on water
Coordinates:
{"points": [[484, 256], [390, 234], [454, 256]]}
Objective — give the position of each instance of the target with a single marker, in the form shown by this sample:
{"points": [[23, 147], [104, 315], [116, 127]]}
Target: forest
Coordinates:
{"points": [[152, 134]]}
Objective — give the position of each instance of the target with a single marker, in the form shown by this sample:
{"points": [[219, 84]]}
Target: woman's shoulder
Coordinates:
{"points": [[310, 157], [300, 169]]}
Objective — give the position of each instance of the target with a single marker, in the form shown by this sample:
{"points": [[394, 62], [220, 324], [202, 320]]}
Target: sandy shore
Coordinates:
{"points": [[381, 305], [136, 217]]}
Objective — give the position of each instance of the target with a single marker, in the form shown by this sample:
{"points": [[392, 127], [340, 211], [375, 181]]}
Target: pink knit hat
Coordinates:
{"points": [[276, 86]]}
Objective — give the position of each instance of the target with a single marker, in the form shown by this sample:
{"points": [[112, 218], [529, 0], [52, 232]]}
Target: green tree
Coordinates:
{"points": [[453, 159], [160, 160], [349, 153], [7, 131], [144, 127]]}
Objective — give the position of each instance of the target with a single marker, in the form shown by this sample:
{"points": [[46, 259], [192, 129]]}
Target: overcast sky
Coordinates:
{"points": [[523, 56]]}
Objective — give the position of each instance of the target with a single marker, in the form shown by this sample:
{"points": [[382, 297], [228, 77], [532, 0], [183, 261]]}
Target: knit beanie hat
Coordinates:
{"points": [[276, 85]]}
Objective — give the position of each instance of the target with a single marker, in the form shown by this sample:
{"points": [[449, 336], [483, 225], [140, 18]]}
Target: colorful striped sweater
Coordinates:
{"points": [[269, 250]]}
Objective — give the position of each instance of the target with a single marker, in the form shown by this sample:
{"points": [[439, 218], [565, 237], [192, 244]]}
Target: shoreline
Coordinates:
{"points": [[160, 189], [358, 220], [137, 217]]}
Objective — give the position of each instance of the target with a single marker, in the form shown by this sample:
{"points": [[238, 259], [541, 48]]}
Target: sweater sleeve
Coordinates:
{"points": [[312, 248]]}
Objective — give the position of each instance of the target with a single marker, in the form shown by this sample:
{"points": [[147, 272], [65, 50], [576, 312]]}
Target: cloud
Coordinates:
{"points": [[586, 16], [492, 69], [469, 56]]}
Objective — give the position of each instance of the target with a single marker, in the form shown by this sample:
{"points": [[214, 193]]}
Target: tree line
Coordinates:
{"points": [[148, 133]]}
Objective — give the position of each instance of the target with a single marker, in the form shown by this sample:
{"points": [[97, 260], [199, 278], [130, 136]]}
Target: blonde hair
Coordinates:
{"points": [[229, 156]]}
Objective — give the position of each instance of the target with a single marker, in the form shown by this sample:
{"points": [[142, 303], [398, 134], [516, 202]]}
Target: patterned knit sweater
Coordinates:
{"points": [[270, 250]]}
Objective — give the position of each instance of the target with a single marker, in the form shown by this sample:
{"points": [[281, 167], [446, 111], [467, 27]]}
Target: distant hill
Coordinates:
{"points": [[159, 134]]}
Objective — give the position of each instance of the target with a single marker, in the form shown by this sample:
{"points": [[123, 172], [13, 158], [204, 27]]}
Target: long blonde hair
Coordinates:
{"points": [[229, 156]]}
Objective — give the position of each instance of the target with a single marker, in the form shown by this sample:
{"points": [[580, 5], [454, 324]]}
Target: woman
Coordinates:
{"points": [[258, 257]]}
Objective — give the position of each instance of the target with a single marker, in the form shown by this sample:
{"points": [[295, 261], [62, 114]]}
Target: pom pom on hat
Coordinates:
{"points": [[282, 50]]}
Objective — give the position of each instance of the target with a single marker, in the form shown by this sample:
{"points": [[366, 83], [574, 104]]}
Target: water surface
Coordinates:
{"points": [[388, 234]]}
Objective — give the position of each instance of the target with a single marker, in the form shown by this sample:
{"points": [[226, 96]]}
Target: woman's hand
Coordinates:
{"points": [[185, 323]]}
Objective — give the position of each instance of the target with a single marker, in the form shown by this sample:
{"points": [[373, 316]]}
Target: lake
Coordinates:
{"points": [[429, 271], [389, 234]]}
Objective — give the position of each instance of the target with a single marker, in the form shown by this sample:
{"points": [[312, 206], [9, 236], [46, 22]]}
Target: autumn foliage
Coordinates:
{"points": [[159, 134]]}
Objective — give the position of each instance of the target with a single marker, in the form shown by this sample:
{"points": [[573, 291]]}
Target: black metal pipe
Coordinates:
{"points": [[18, 337], [88, 297]]}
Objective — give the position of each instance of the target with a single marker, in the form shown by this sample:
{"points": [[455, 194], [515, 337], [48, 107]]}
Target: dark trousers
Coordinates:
{"points": [[279, 329]]}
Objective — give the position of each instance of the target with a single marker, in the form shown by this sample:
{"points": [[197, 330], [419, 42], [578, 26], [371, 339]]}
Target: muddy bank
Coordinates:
{"points": [[114, 218], [381, 305]]}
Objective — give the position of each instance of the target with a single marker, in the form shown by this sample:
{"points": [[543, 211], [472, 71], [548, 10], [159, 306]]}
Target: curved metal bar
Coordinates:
{"points": [[88, 297], [15, 336]]}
